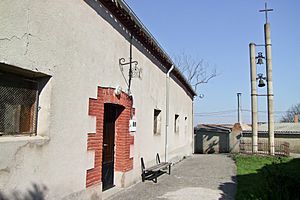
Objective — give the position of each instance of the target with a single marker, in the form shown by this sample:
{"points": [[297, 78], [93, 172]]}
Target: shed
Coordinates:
{"points": [[212, 138]]}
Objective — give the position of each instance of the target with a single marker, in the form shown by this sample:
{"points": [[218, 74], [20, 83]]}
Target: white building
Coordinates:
{"points": [[65, 106]]}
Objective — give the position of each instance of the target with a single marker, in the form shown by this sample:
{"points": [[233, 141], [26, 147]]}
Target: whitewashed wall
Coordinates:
{"points": [[71, 42]]}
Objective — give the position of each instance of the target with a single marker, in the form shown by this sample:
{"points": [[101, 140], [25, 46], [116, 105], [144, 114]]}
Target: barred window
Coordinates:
{"points": [[18, 105]]}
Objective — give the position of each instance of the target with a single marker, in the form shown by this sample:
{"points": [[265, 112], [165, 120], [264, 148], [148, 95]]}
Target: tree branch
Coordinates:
{"points": [[196, 72]]}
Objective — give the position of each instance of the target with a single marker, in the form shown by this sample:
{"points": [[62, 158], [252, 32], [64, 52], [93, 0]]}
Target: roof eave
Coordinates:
{"points": [[128, 18]]}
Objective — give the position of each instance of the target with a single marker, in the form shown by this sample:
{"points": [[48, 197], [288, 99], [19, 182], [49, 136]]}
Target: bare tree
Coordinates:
{"points": [[290, 113], [196, 71]]}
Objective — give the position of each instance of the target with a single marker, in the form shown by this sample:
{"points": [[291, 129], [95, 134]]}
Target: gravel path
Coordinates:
{"points": [[202, 177]]}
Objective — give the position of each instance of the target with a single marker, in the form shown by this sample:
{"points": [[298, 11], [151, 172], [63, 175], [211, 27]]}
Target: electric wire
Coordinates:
{"points": [[226, 112]]}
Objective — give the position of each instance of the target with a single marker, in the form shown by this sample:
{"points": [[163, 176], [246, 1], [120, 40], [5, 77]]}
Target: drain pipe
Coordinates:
{"points": [[167, 111]]}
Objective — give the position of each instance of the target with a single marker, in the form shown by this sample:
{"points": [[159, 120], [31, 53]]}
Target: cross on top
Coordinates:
{"points": [[266, 10]]}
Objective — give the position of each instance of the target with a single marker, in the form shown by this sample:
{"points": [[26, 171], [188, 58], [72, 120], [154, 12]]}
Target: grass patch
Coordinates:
{"points": [[265, 177]]}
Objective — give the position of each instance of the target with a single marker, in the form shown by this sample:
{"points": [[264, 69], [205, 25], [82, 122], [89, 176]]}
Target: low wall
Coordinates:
{"points": [[292, 139]]}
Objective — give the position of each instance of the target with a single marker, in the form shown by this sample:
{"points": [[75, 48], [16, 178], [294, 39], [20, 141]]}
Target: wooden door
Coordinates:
{"points": [[110, 114]]}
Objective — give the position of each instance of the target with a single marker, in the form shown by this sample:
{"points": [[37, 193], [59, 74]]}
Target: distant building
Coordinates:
{"points": [[68, 121], [284, 132], [216, 138], [225, 138]]}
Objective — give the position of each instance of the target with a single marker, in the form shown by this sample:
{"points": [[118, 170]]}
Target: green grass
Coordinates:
{"points": [[265, 177]]}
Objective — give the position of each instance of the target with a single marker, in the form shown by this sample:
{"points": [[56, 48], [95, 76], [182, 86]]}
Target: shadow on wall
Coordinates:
{"points": [[36, 193], [211, 142], [275, 181], [211, 147]]}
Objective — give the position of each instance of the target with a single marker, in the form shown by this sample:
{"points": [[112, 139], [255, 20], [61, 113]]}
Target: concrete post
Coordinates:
{"points": [[269, 88], [296, 118], [239, 108], [253, 97]]}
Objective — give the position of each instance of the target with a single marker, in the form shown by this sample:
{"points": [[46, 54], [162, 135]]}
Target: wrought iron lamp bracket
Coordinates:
{"points": [[135, 71]]}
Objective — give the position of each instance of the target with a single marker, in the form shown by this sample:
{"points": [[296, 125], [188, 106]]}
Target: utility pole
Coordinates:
{"points": [[239, 95], [270, 94], [253, 97]]}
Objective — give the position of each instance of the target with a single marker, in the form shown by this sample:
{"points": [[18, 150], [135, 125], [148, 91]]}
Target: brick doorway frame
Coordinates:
{"points": [[123, 138]]}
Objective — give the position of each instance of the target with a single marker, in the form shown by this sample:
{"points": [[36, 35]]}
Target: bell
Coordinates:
{"points": [[260, 61], [261, 83], [260, 58]]}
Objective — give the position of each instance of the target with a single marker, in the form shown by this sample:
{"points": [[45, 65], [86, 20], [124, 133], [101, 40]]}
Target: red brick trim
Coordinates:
{"points": [[123, 139]]}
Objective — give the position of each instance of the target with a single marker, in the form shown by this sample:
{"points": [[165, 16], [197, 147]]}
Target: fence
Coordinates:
{"points": [[281, 148]]}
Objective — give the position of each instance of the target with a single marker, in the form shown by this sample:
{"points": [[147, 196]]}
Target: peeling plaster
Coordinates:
{"points": [[4, 176], [27, 35], [15, 156], [5, 170]]}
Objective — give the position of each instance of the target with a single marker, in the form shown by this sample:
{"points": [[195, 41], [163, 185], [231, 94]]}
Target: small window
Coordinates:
{"points": [[185, 125], [156, 122], [18, 105], [176, 124]]}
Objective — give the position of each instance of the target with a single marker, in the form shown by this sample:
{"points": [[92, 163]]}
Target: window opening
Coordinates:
{"points": [[176, 125], [157, 122], [18, 105]]}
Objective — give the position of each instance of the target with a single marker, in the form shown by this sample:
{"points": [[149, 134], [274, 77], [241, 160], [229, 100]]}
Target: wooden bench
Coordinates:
{"points": [[155, 171]]}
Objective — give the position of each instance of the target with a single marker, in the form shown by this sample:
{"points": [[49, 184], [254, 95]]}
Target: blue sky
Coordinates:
{"points": [[220, 32]]}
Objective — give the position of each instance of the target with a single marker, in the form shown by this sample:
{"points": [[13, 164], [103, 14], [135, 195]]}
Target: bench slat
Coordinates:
{"points": [[158, 167], [153, 172]]}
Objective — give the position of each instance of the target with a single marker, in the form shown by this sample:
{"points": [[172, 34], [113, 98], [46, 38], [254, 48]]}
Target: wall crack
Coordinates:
{"points": [[13, 37]]}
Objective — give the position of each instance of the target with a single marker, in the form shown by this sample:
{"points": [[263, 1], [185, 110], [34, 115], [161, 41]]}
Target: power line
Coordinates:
{"points": [[216, 112], [222, 112], [264, 111]]}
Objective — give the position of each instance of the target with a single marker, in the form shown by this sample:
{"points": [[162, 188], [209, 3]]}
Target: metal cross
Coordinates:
{"points": [[266, 10]]}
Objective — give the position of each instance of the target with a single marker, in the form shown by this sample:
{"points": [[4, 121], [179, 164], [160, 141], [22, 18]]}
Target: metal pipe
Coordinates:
{"points": [[253, 97], [269, 88], [130, 65], [167, 111]]}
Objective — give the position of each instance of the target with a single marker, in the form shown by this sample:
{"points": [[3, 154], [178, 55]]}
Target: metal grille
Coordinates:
{"points": [[281, 148], [18, 105]]}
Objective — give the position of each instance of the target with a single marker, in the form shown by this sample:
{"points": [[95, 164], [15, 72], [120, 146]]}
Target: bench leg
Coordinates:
{"points": [[169, 169], [154, 180], [143, 177], [156, 174]]}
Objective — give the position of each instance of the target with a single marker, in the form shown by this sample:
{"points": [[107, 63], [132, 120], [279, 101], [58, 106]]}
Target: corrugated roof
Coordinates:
{"points": [[214, 127], [280, 128]]}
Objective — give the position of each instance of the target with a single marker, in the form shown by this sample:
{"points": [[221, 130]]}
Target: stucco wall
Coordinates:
{"points": [[212, 142], [80, 50], [294, 141]]}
